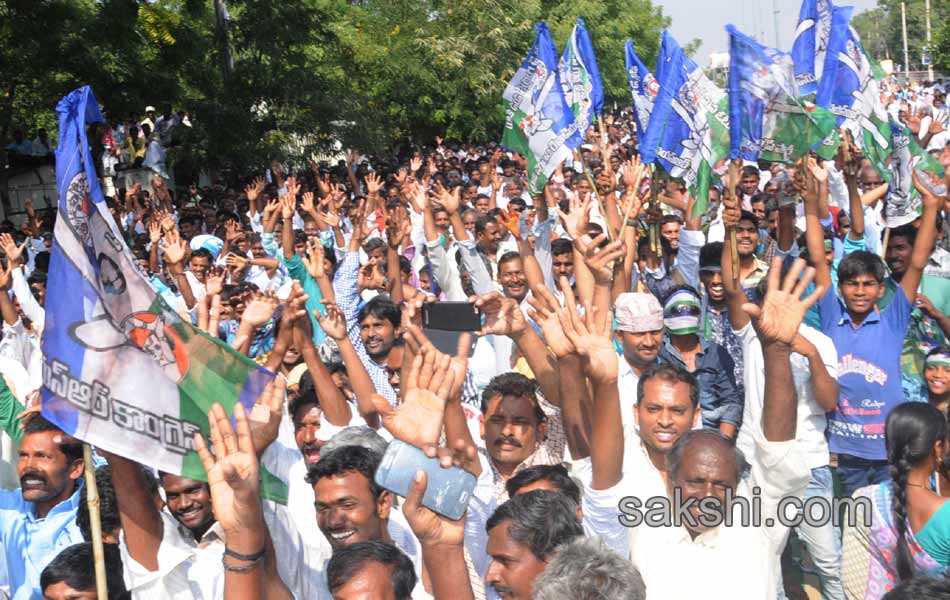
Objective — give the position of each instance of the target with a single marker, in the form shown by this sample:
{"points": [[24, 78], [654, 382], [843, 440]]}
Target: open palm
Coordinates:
{"points": [[783, 309]]}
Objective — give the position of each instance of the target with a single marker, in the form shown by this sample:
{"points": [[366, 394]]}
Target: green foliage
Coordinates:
{"points": [[881, 33], [304, 74], [941, 52]]}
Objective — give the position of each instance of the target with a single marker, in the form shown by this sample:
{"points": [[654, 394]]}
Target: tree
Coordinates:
{"points": [[881, 32]]}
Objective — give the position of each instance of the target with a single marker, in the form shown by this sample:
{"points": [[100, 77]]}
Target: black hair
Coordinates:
{"points": [[108, 507], [749, 216], [481, 223], [919, 587], [508, 257], [906, 231], [517, 201], [750, 171], [710, 255], [672, 374], [75, 566], [910, 432], [562, 246], [541, 520], [72, 449], [665, 219], [336, 367], [349, 560], [41, 261], [512, 384], [381, 307], [202, 253], [404, 265], [37, 277], [348, 459], [304, 397], [373, 244], [861, 262], [555, 474]]}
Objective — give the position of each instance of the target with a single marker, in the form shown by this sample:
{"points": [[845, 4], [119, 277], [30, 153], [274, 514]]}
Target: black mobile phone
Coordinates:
{"points": [[447, 490], [451, 316]]}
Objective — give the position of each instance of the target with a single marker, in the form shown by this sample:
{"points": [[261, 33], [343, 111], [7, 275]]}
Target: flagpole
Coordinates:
{"points": [[733, 248], [95, 522], [600, 201]]}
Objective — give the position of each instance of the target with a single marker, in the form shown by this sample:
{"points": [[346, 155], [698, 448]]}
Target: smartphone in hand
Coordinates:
{"points": [[451, 316], [447, 491]]}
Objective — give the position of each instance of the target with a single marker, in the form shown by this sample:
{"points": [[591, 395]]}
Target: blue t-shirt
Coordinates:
{"points": [[869, 373]]}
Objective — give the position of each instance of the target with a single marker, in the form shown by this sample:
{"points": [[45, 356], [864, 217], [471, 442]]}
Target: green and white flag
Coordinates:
{"points": [[539, 123]]}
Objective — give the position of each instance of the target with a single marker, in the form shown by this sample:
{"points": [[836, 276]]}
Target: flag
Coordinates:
{"points": [[768, 118], [643, 87], [121, 370], [904, 203], [538, 122], [849, 88], [811, 43], [689, 127], [580, 78]]}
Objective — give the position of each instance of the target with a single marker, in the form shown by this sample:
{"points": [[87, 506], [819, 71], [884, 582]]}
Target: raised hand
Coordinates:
{"points": [[253, 190], [306, 202], [546, 312], [314, 260], [260, 309], [288, 206], [503, 316], [154, 231], [575, 221], [333, 323], [592, 343], [233, 231], [214, 281], [176, 249], [373, 183], [509, 220], [418, 419], [293, 188], [783, 309], [415, 163], [13, 252], [818, 171], [266, 414], [233, 471], [600, 260], [448, 199]]}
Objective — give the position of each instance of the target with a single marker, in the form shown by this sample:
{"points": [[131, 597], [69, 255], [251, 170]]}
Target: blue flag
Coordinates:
{"points": [[767, 116], [688, 129], [643, 87], [580, 78], [811, 43], [830, 87], [538, 122]]}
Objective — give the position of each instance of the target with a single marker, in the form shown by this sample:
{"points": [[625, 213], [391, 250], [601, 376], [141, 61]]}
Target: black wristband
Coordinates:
{"points": [[239, 556]]}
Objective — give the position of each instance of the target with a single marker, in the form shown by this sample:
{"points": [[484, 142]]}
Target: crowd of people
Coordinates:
{"points": [[785, 344]]}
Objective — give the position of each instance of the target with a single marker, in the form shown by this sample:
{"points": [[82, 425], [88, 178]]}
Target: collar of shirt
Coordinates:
{"points": [[874, 317], [70, 504], [671, 349], [213, 537]]}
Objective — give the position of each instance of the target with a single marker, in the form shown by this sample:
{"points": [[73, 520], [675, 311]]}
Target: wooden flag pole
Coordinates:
{"points": [[593, 186], [604, 141], [95, 522], [733, 247]]}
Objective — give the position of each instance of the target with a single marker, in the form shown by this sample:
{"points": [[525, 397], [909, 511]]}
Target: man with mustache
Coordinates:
{"points": [[513, 427], [39, 518]]}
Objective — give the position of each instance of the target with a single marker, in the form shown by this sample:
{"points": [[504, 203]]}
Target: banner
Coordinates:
{"points": [[538, 122], [643, 87], [121, 370], [904, 203], [580, 78], [768, 118]]}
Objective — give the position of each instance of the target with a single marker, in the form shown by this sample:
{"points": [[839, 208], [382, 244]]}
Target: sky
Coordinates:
{"points": [[707, 19]]}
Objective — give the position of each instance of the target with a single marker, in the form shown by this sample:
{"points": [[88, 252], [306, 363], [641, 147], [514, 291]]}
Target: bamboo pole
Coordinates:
{"points": [[733, 247], [95, 522], [593, 186], [604, 141]]}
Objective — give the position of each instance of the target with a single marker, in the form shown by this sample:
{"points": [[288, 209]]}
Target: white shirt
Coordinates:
{"points": [[627, 381], [740, 563], [810, 431]]}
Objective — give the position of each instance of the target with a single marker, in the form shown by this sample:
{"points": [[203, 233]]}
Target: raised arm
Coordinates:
{"points": [[776, 323], [924, 244], [142, 525], [814, 237], [176, 249]]}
